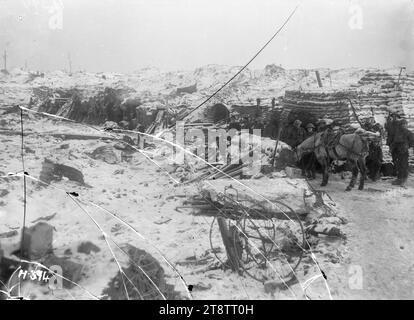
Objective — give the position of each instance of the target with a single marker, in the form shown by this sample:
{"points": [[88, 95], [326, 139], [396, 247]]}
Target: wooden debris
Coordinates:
{"points": [[55, 172], [46, 218], [227, 236], [8, 234], [63, 136], [87, 247], [106, 154], [162, 221]]}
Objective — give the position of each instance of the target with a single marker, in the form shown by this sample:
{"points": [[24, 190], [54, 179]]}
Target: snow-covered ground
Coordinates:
{"points": [[379, 228], [379, 244]]}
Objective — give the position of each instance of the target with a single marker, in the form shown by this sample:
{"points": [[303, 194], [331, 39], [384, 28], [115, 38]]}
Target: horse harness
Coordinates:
{"points": [[330, 145]]}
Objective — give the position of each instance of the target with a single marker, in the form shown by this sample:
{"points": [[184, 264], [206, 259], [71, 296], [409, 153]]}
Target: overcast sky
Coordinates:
{"points": [[124, 35]]}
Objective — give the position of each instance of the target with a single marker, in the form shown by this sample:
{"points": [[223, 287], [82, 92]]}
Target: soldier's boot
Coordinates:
{"points": [[403, 182]]}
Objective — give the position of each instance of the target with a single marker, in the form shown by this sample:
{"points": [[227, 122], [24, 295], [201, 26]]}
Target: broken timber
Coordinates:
{"points": [[227, 236], [63, 136]]}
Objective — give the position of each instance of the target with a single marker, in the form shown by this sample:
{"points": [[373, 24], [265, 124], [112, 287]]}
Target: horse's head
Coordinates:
{"points": [[368, 135], [306, 146]]}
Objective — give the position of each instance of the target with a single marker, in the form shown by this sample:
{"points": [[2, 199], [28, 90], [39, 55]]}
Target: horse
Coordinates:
{"points": [[350, 147]]}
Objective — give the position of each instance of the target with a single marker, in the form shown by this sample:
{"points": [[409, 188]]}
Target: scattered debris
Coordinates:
{"points": [[126, 145], [293, 172], [29, 150], [88, 247], [163, 220], [271, 191], [126, 156], [119, 171], [273, 286], [189, 89], [106, 154], [326, 229], [8, 234], [116, 228], [46, 218], [55, 172], [200, 286]]}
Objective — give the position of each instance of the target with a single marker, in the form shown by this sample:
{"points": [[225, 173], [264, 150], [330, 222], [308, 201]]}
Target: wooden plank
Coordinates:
{"points": [[64, 136]]}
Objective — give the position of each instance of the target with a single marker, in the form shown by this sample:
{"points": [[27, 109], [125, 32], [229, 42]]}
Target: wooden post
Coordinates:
{"points": [[233, 258], [273, 103], [279, 130], [5, 59], [318, 77], [70, 63], [399, 75]]}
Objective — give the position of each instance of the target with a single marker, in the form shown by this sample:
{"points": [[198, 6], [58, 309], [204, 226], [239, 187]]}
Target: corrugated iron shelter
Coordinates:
{"points": [[216, 113]]}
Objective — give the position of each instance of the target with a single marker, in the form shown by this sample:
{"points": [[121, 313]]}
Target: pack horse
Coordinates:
{"points": [[352, 148]]}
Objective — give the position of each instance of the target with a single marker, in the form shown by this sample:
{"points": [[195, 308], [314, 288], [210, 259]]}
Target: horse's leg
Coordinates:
{"points": [[312, 166], [302, 164], [326, 171], [363, 169], [354, 175], [325, 177], [306, 166]]}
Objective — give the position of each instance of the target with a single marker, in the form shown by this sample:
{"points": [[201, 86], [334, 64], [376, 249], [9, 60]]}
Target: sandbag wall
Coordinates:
{"points": [[309, 106], [381, 93], [384, 92]]}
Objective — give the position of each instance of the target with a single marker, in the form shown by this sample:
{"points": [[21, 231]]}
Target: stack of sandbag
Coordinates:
{"points": [[319, 104], [391, 91]]}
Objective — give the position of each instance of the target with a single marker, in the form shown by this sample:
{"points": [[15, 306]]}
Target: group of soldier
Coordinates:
{"points": [[295, 134], [398, 138], [247, 121]]}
